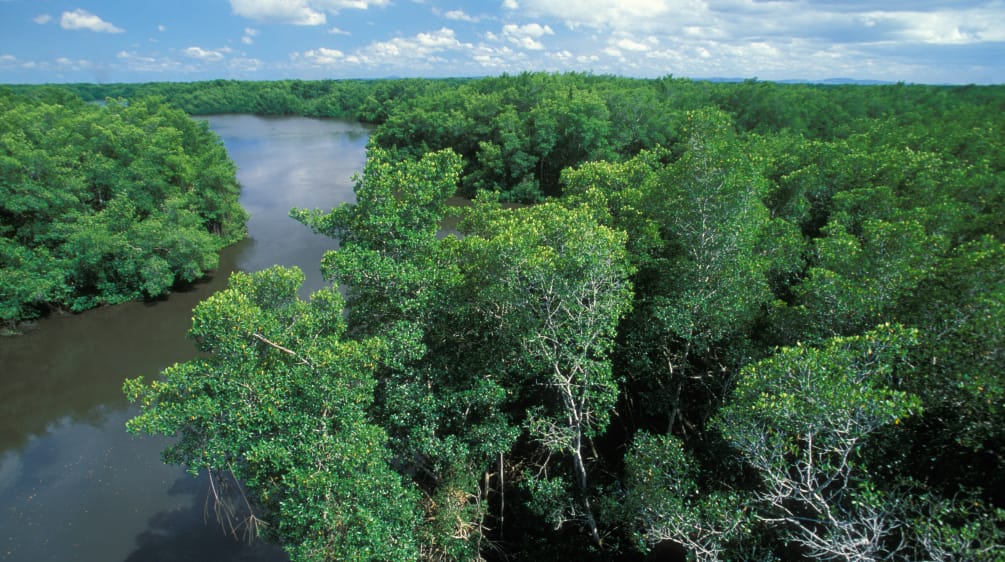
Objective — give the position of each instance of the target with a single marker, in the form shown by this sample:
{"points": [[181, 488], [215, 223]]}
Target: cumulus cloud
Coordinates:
{"points": [[82, 19], [162, 28], [323, 57], [68, 64], [632, 45], [297, 12], [460, 15], [774, 39], [204, 54], [844, 21], [421, 46], [526, 36], [616, 14], [913, 40], [420, 51], [336, 5], [249, 35], [944, 26], [438, 40]]}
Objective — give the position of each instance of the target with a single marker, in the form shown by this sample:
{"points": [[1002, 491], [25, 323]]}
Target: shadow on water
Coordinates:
{"points": [[71, 367], [186, 534]]}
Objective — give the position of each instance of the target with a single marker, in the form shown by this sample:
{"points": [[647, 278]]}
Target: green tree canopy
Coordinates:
{"points": [[103, 204]]}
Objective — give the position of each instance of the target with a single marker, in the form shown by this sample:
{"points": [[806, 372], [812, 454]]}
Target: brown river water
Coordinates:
{"points": [[73, 484]]}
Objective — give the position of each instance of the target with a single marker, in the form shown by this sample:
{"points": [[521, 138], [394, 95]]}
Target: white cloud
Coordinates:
{"points": [[136, 62], [297, 12], [246, 65], [249, 35], [460, 15], [64, 63], [943, 27], [82, 19], [422, 46], [442, 39], [526, 36], [531, 29], [498, 58], [323, 57], [703, 32], [919, 40], [421, 51], [912, 40], [631, 45], [614, 14], [204, 54], [336, 5]]}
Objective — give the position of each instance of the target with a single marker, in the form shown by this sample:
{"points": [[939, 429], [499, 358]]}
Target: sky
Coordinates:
{"points": [[915, 41]]}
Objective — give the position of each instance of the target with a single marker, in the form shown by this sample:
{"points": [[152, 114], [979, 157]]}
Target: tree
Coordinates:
{"points": [[603, 361], [29, 279], [664, 502], [281, 403], [858, 281], [697, 231], [388, 256], [801, 419], [116, 202], [438, 397], [555, 283]]}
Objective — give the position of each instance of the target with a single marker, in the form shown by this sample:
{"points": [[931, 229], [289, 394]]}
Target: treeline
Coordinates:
{"points": [[755, 322], [101, 204], [368, 101]]}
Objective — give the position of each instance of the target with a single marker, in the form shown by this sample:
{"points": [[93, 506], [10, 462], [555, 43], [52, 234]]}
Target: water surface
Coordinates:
{"points": [[73, 484]]}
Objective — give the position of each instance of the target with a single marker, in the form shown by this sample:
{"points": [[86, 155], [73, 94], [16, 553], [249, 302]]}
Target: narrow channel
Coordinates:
{"points": [[73, 484]]}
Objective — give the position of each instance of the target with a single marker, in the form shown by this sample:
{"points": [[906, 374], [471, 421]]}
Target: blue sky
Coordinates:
{"points": [[924, 41]]}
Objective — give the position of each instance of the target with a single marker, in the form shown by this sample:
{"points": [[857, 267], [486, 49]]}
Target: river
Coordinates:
{"points": [[73, 484]]}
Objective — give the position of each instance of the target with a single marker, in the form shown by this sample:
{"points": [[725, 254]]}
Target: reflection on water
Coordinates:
{"points": [[73, 484], [292, 163]]}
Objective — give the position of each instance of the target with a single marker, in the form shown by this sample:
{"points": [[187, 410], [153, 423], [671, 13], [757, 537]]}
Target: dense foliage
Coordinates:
{"points": [[756, 322], [517, 133], [365, 100], [103, 204]]}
